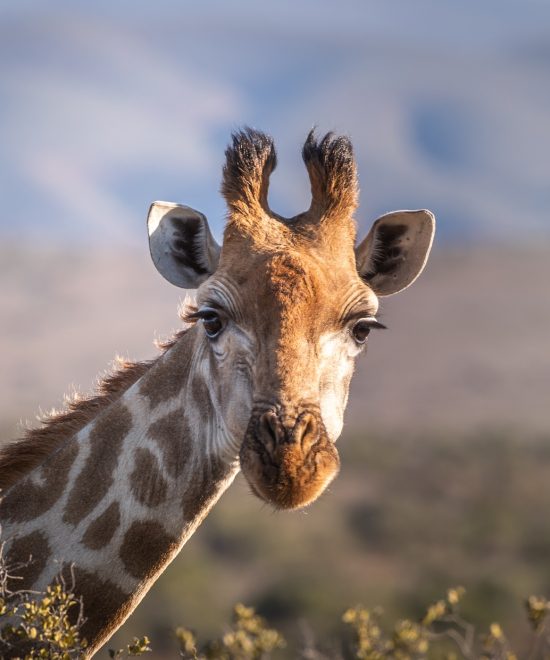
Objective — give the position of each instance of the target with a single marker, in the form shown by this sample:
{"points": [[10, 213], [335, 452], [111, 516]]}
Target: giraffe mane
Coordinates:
{"points": [[19, 457]]}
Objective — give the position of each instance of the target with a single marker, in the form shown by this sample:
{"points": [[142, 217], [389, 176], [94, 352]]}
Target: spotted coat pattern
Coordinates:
{"points": [[118, 500]]}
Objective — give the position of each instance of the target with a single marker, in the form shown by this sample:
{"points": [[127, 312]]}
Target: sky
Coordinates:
{"points": [[105, 107]]}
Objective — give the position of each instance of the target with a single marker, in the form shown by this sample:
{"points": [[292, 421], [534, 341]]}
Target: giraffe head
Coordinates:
{"points": [[285, 306]]}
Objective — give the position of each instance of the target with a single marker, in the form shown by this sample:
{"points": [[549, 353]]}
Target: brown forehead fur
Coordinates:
{"points": [[22, 456], [309, 286], [310, 282]]}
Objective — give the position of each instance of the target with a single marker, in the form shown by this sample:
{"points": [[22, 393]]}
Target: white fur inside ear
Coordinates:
{"points": [[396, 250], [181, 245]]}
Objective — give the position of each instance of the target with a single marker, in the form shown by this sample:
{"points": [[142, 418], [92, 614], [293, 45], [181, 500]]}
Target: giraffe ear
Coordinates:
{"points": [[181, 245], [395, 250]]}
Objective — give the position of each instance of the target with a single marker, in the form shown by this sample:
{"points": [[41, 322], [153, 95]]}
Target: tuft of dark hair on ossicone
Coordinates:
{"points": [[333, 174], [249, 161]]}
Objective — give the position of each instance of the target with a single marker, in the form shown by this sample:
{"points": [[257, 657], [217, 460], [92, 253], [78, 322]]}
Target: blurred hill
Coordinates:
{"points": [[467, 347]]}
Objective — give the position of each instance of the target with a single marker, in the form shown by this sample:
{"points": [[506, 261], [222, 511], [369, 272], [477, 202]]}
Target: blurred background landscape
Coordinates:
{"points": [[446, 449]]}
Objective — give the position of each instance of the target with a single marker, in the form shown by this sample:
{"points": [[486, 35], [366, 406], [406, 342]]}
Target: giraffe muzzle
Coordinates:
{"points": [[288, 463]]}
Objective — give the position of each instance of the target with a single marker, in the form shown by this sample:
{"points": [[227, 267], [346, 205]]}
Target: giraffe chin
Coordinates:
{"points": [[289, 475]]}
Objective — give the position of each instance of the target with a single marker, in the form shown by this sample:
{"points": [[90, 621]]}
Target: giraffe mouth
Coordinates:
{"points": [[288, 466]]}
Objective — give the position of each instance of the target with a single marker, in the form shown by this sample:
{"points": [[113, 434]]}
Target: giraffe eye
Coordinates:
{"points": [[361, 331], [213, 325]]}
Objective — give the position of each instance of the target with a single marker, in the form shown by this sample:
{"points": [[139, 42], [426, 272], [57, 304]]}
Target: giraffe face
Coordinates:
{"points": [[284, 308], [282, 329]]}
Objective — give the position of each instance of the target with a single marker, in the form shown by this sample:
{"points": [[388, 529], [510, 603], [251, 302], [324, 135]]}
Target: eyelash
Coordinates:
{"points": [[213, 322], [360, 330], [200, 314]]}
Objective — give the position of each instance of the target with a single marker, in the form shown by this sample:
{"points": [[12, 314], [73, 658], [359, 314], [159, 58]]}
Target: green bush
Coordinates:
{"points": [[441, 633], [37, 625], [249, 638]]}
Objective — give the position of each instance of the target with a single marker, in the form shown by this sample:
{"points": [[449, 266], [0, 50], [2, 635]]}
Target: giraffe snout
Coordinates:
{"points": [[288, 461]]}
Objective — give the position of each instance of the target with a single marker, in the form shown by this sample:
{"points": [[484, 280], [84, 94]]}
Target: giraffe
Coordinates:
{"points": [[256, 380]]}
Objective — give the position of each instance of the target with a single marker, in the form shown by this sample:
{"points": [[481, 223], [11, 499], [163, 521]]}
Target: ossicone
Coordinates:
{"points": [[333, 176], [249, 161]]}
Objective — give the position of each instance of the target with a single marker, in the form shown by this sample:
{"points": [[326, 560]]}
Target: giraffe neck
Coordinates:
{"points": [[119, 499]]}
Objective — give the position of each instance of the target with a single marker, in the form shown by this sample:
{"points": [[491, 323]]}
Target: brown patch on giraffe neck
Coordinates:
{"points": [[28, 555], [100, 531], [28, 500], [20, 457], [105, 605], [173, 436], [96, 477], [202, 485], [167, 378], [146, 548], [148, 485]]}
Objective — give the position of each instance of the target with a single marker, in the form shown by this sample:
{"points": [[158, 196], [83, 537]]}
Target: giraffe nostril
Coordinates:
{"points": [[273, 434], [306, 431], [270, 430]]}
